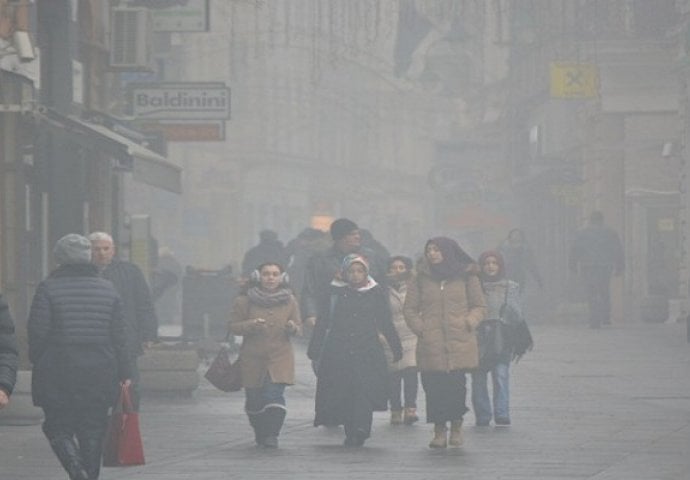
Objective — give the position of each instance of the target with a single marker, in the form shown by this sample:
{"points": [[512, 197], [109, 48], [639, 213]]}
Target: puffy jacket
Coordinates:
{"points": [[444, 315], [8, 349], [76, 339]]}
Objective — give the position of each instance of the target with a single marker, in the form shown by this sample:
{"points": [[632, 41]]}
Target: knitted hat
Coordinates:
{"points": [[72, 248], [342, 227]]}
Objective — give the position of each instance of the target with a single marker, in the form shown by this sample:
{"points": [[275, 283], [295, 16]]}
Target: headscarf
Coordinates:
{"points": [[455, 259], [349, 260], [501, 266]]}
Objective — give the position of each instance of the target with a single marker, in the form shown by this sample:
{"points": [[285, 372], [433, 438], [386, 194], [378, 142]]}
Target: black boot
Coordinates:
{"points": [[258, 423], [91, 450], [275, 416], [66, 451]]}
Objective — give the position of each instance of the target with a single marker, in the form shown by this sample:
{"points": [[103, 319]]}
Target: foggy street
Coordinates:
{"points": [[587, 404]]}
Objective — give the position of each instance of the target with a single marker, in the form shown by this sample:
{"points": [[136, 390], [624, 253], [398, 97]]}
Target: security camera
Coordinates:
{"points": [[23, 45], [667, 150]]}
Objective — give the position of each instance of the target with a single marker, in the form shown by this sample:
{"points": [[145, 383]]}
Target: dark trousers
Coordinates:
{"points": [[446, 394], [405, 382], [597, 280], [135, 387], [88, 425]]}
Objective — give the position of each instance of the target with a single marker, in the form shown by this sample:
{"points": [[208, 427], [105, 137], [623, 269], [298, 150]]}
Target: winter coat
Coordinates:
{"points": [[266, 349], [141, 323], [348, 354], [76, 339], [444, 315], [9, 356], [408, 339], [497, 294]]}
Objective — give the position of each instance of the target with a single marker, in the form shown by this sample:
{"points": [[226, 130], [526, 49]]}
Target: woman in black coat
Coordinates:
{"points": [[350, 362], [76, 345]]}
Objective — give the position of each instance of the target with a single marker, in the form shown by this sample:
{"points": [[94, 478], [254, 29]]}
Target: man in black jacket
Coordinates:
{"points": [[322, 268], [141, 323], [598, 253], [8, 354]]}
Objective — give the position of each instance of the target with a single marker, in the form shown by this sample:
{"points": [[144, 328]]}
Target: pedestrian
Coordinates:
{"points": [[351, 366], [9, 355], [77, 348], [141, 322], [269, 249], [519, 259], [597, 254], [266, 314], [306, 244], [403, 375], [443, 307], [323, 268], [500, 294]]}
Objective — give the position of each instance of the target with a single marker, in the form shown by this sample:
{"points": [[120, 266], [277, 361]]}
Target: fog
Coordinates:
{"points": [[422, 118]]}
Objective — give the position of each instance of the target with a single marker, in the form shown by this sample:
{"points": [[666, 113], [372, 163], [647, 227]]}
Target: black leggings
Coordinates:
{"points": [[409, 378]]}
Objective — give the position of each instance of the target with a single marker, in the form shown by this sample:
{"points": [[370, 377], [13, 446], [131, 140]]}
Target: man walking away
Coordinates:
{"points": [[598, 253]]}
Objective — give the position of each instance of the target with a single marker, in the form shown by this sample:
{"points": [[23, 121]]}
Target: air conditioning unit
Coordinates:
{"points": [[130, 39]]}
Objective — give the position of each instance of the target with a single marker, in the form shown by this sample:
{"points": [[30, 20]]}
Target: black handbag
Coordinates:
{"points": [[224, 374], [492, 343], [492, 339]]}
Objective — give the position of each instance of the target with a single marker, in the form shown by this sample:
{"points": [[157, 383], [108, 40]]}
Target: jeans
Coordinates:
{"points": [[501, 394], [268, 395]]}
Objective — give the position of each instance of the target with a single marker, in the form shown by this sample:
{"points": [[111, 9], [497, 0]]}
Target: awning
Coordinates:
{"points": [[146, 165]]}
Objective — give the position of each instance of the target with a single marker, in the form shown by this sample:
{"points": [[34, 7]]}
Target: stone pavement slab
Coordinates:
{"points": [[586, 404]]}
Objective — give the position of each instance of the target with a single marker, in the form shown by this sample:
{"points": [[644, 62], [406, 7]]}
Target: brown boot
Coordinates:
{"points": [[396, 417], [440, 439], [455, 439], [410, 416]]}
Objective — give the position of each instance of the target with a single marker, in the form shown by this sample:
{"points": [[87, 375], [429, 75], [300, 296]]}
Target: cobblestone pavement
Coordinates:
{"points": [[586, 404]]}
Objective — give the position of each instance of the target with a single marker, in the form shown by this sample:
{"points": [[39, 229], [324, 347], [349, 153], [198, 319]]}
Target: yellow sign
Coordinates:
{"points": [[574, 80]]}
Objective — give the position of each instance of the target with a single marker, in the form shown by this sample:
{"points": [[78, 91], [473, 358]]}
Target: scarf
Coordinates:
{"points": [[455, 260], [262, 298]]}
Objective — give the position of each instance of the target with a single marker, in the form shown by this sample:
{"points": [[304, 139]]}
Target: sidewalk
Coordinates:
{"points": [[586, 404]]}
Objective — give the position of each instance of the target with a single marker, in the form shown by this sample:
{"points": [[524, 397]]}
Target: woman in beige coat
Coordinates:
{"points": [[266, 315], [403, 374], [443, 307]]}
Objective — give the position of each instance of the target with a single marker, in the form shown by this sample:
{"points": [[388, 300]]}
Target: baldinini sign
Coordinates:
{"points": [[180, 101]]}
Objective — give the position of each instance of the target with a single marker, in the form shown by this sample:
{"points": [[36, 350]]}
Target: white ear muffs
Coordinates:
{"points": [[285, 278], [255, 276]]}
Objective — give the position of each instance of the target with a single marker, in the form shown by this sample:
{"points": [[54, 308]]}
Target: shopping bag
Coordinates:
{"points": [[122, 445], [224, 374]]}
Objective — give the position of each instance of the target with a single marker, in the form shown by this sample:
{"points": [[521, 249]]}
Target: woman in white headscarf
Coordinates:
{"points": [[350, 362]]}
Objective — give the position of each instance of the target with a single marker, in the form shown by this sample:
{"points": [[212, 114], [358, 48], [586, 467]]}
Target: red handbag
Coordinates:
{"points": [[122, 445]]}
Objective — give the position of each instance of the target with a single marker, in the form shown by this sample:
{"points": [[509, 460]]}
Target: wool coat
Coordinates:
{"points": [[141, 322], [408, 339], [350, 358], [265, 349], [444, 315], [76, 340]]}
